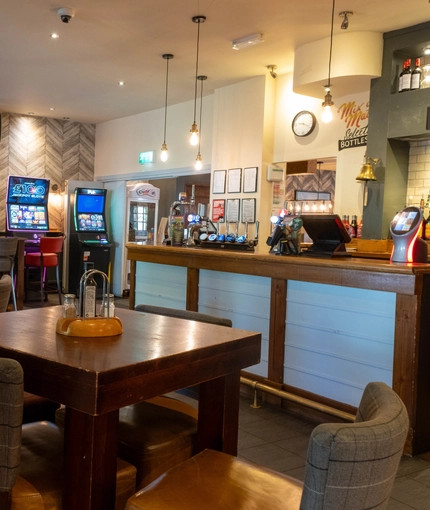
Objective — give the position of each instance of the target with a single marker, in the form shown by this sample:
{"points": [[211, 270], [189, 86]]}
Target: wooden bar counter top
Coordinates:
{"points": [[409, 282]]}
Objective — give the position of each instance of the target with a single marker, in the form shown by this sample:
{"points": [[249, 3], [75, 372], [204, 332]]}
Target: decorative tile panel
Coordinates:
{"points": [[49, 148]]}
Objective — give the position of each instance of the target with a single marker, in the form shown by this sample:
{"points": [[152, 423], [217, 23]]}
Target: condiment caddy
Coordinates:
{"points": [[71, 324]]}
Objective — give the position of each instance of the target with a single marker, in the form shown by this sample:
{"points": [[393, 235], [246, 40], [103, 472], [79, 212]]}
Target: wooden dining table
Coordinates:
{"points": [[95, 377]]}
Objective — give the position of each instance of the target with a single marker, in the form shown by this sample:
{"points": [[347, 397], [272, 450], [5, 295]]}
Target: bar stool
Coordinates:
{"points": [[8, 247], [50, 247]]}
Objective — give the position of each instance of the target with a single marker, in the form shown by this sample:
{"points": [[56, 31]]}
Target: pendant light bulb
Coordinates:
{"points": [[199, 163], [164, 153], [164, 150], [194, 138], [327, 115]]}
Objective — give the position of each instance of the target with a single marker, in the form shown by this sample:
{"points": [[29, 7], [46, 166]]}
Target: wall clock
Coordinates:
{"points": [[304, 123]]}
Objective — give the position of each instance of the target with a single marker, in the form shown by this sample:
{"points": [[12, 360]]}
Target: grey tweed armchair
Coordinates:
{"points": [[31, 459], [349, 467]]}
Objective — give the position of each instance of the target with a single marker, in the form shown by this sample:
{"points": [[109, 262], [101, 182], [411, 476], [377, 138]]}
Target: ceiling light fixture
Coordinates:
{"points": [[54, 36], [164, 150], [247, 41], [426, 50], [327, 115], [345, 23], [199, 163], [194, 139], [121, 83], [272, 71]]}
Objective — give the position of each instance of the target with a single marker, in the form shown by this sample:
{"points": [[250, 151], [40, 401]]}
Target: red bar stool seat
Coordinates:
{"points": [[50, 247]]}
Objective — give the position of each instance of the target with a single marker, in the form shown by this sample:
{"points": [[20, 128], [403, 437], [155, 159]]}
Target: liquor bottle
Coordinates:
{"points": [[416, 75], [359, 229], [406, 78], [401, 77], [89, 296], [427, 228], [353, 227]]}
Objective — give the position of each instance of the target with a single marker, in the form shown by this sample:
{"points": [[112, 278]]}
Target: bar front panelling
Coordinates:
{"points": [[243, 299], [160, 285], [338, 339]]}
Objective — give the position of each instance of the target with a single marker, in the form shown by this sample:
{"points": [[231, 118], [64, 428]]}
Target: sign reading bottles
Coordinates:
{"points": [[355, 117], [146, 157]]}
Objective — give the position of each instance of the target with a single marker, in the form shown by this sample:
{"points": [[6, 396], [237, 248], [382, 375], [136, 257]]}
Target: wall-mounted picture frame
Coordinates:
{"points": [[233, 210], [218, 210], [250, 179], [234, 180], [248, 210], [218, 183]]}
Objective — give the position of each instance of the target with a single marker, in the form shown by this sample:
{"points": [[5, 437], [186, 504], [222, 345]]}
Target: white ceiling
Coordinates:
{"points": [[112, 40]]}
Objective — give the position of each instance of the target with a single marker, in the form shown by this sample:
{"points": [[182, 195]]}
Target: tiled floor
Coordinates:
{"points": [[272, 437]]}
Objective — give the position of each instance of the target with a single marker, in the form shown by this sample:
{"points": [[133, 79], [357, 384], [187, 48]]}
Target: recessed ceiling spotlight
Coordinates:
{"points": [[54, 36], [427, 49], [52, 109], [121, 83]]}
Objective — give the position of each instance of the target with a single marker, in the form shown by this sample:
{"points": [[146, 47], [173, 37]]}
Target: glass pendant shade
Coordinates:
{"points": [[199, 163], [164, 153]]}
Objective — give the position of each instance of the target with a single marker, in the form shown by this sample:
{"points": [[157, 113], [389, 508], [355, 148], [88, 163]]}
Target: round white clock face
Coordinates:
{"points": [[304, 123]]}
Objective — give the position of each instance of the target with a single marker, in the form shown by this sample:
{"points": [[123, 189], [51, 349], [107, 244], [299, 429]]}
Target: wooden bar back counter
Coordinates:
{"points": [[406, 356]]}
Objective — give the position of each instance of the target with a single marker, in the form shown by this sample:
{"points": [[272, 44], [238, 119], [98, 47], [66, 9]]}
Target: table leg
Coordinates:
{"points": [[90, 460], [218, 420]]}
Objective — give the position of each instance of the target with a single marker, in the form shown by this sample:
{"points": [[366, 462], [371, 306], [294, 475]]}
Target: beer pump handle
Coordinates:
{"points": [[257, 224]]}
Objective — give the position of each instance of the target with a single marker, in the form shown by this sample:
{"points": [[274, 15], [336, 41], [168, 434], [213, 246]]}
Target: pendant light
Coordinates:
{"points": [[194, 140], [164, 150], [327, 115], [199, 163]]}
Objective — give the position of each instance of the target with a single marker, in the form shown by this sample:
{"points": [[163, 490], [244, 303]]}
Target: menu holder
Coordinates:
{"points": [[91, 327]]}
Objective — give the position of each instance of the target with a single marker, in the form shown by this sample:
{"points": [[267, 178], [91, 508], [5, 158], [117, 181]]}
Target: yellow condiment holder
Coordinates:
{"points": [[89, 327]]}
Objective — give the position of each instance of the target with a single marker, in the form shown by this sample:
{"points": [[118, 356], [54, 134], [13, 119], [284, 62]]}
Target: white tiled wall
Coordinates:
{"points": [[419, 172]]}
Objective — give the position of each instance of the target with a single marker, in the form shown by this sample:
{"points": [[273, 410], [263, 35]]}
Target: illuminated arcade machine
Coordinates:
{"points": [[404, 228], [88, 240], [27, 207]]}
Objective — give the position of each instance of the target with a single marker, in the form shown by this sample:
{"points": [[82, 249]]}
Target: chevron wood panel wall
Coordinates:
{"points": [[321, 180], [40, 147]]}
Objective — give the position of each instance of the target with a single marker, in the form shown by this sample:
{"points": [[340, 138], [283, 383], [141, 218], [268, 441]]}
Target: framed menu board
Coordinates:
{"points": [[233, 210], [218, 185], [248, 210], [250, 180], [234, 180]]}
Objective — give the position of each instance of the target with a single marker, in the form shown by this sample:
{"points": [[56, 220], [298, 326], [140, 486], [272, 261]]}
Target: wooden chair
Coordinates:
{"points": [[350, 466], [5, 290], [8, 246], [50, 247], [31, 456]]}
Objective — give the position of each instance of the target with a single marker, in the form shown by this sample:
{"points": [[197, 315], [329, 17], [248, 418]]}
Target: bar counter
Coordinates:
{"points": [[409, 285]]}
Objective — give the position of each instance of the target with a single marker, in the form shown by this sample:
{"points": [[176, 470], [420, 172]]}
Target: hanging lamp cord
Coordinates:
{"points": [[165, 102], [197, 69], [201, 109], [331, 45]]}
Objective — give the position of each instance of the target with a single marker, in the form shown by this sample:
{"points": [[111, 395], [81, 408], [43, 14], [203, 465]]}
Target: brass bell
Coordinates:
{"points": [[366, 172]]}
